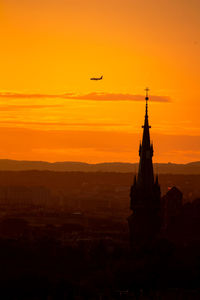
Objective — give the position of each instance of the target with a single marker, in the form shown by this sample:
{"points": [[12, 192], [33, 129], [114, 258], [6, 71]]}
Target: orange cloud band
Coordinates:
{"points": [[95, 96]]}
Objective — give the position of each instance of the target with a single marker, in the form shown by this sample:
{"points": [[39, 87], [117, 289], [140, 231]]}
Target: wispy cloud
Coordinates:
{"points": [[11, 95], [95, 96], [61, 124], [19, 107], [117, 97]]}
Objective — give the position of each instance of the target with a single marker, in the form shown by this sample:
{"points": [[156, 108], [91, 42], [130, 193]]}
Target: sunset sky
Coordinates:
{"points": [[49, 108]]}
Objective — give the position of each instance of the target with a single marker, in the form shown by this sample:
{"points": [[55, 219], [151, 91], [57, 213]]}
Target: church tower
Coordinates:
{"points": [[144, 223]]}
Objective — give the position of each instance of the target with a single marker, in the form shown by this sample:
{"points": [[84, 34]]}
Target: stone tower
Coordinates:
{"points": [[144, 223]]}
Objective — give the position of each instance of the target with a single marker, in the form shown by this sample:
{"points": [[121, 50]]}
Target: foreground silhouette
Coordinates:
{"points": [[145, 222], [64, 235]]}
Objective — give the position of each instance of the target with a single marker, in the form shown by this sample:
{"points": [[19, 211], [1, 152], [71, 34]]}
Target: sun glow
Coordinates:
{"points": [[51, 48]]}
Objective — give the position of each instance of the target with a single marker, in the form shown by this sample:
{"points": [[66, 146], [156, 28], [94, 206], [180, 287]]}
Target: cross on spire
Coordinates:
{"points": [[147, 94], [147, 98]]}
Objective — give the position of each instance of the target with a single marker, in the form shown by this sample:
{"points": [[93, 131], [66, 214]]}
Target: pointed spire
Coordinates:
{"points": [[146, 122], [145, 174]]}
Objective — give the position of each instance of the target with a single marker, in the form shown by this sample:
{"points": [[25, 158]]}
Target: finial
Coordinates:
{"points": [[147, 94], [147, 98]]}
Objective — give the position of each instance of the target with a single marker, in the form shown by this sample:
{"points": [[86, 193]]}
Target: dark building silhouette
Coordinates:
{"points": [[171, 205], [145, 194]]}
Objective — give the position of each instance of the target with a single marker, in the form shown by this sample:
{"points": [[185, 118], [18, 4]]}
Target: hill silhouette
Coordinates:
{"points": [[70, 166]]}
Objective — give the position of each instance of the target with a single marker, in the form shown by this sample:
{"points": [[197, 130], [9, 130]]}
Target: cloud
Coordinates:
{"points": [[117, 97], [61, 124], [18, 107], [95, 96], [30, 96]]}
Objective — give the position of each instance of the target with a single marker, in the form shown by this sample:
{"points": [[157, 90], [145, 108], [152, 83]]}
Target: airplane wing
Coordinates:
{"points": [[96, 78]]}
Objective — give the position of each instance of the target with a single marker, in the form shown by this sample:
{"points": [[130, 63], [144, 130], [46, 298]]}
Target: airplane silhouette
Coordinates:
{"points": [[100, 78]]}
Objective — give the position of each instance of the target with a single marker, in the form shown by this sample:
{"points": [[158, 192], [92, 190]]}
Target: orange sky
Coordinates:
{"points": [[50, 110]]}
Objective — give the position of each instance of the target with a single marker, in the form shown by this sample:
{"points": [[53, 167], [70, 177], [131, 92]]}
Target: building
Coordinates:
{"points": [[144, 223], [171, 206]]}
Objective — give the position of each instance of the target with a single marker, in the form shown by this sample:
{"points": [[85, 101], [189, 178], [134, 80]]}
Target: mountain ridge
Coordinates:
{"points": [[73, 166]]}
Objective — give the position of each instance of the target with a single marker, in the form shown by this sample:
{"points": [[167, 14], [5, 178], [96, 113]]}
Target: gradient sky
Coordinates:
{"points": [[50, 110]]}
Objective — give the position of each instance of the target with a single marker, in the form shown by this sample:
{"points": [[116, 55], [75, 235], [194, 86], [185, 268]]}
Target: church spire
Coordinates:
{"points": [[144, 223], [145, 173]]}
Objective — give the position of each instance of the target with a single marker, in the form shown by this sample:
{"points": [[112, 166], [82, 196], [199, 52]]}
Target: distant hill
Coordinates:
{"points": [[161, 168]]}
